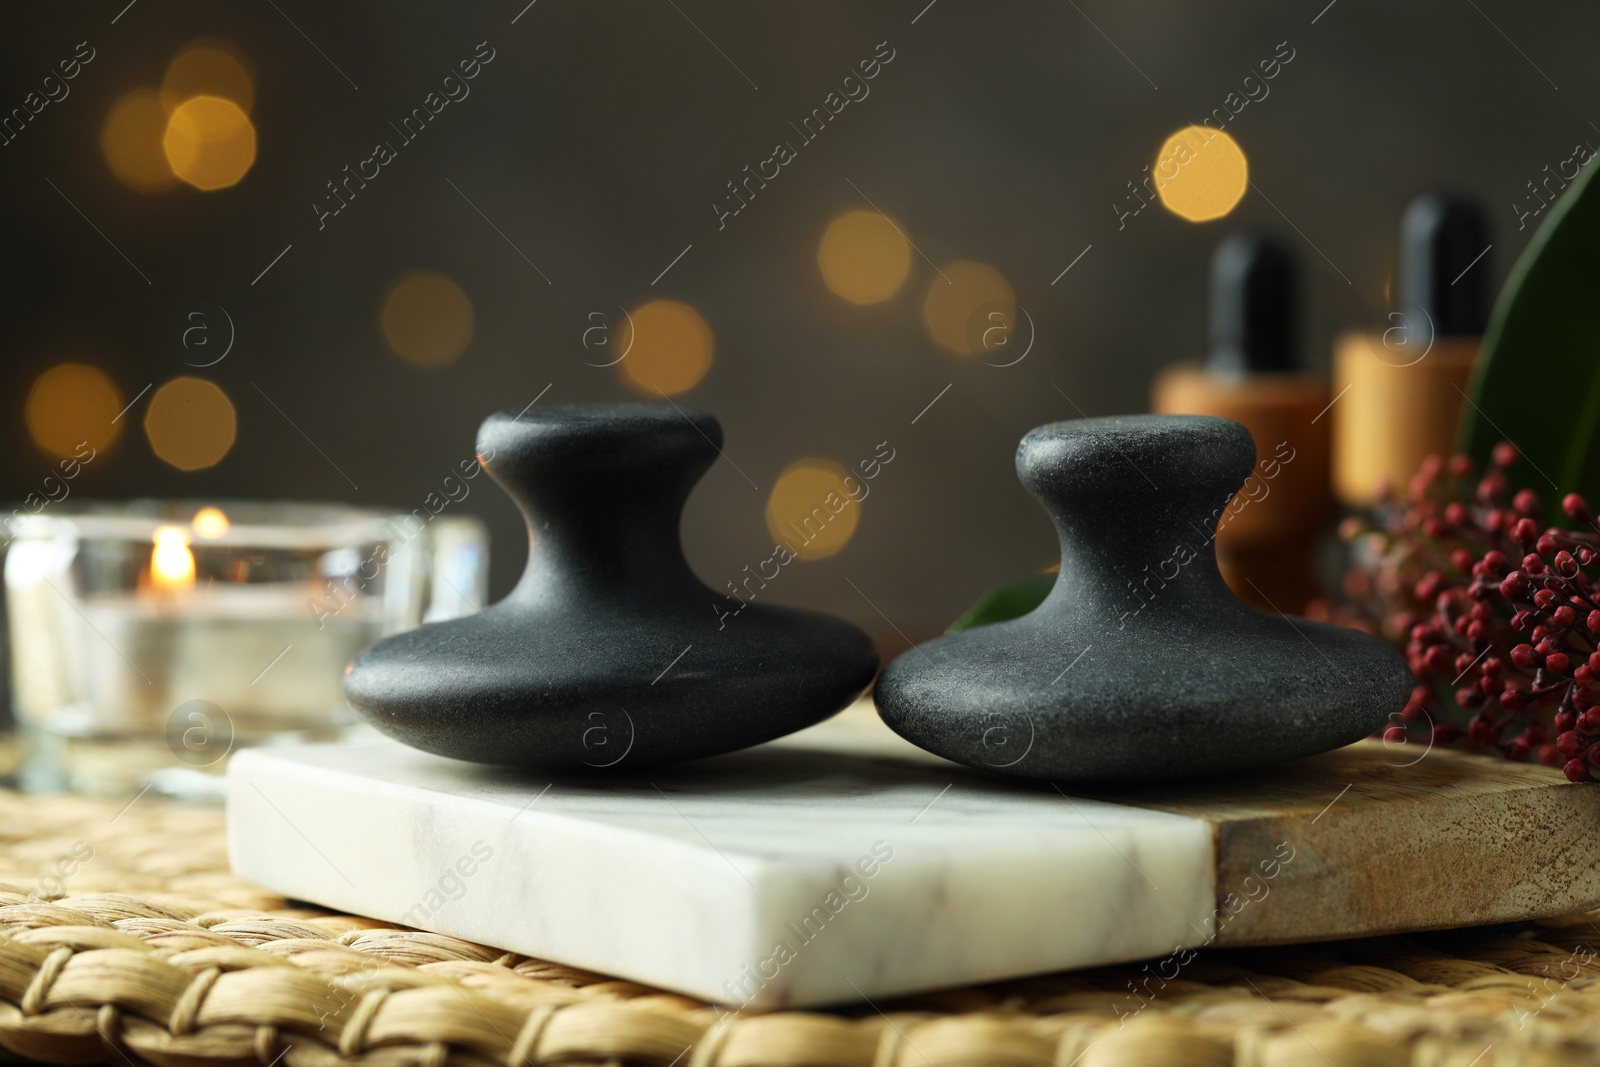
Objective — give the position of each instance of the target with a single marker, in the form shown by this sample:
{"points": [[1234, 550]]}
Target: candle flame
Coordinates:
{"points": [[210, 523], [171, 562]]}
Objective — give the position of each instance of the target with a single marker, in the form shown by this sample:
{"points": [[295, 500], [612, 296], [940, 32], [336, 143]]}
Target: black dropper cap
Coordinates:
{"points": [[1444, 272], [1254, 288]]}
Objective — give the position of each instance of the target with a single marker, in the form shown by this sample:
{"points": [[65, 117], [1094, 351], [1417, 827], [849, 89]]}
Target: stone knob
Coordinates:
{"points": [[609, 652], [1140, 664]]}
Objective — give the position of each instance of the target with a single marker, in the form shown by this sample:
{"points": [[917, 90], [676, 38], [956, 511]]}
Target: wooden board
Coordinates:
{"points": [[1391, 838], [1385, 838]]}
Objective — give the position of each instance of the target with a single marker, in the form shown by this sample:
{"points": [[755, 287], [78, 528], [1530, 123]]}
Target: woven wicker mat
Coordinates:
{"points": [[124, 939]]}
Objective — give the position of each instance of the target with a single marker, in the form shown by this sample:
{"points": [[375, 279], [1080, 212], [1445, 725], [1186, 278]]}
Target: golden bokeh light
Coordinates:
{"points": [[668, 345], [171, 562], [190, 423], [208, 68], [426, 319], [131, 142], [72, 405], [864, 257], [1201, 174], [210, 523], [209, 142], [811, 508], [965, 299]]}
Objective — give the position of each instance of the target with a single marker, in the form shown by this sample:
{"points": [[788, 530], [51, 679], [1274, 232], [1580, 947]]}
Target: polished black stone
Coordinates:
{"points": [[1140, 664], [609, 652]]}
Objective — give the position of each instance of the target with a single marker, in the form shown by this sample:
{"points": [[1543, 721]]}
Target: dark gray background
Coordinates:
{"points": [[597, 141]]}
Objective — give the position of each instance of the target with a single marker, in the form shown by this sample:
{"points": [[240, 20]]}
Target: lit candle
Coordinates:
{"points": [[122, 615], [171, 562]]}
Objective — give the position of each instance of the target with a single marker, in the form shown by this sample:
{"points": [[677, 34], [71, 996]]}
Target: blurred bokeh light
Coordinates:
{"points": [[669, 348], [864, 257], [208, 68], [810, 508], [209, 142], [210, 523], [191, 423], [130, 139], [963, 300], [1201, 174], [71, 404], [426, 319]]}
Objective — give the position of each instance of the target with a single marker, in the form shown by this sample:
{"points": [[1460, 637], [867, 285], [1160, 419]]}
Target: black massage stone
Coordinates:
{"points": [[609, 652], [1140, 664]]}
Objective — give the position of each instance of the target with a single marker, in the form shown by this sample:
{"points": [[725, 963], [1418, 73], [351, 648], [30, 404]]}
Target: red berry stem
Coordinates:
{"points": [[1499, 620]]}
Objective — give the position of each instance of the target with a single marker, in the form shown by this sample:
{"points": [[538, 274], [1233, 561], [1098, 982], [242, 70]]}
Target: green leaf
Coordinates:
{"points": [[1537, 379], [1006, 602]]}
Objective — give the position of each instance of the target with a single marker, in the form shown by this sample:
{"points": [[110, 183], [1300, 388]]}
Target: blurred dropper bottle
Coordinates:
{"points": [[1401, 390], [1267, 534]]}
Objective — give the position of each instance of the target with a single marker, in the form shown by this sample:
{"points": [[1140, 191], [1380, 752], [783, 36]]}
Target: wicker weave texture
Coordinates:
{"points": [[124, 940]]}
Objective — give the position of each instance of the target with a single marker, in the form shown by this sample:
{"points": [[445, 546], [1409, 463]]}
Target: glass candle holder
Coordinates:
{"points": [[150, 639]]}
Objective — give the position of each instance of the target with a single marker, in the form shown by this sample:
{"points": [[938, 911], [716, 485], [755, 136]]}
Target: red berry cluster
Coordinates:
{"points": [[1491, 606]]}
